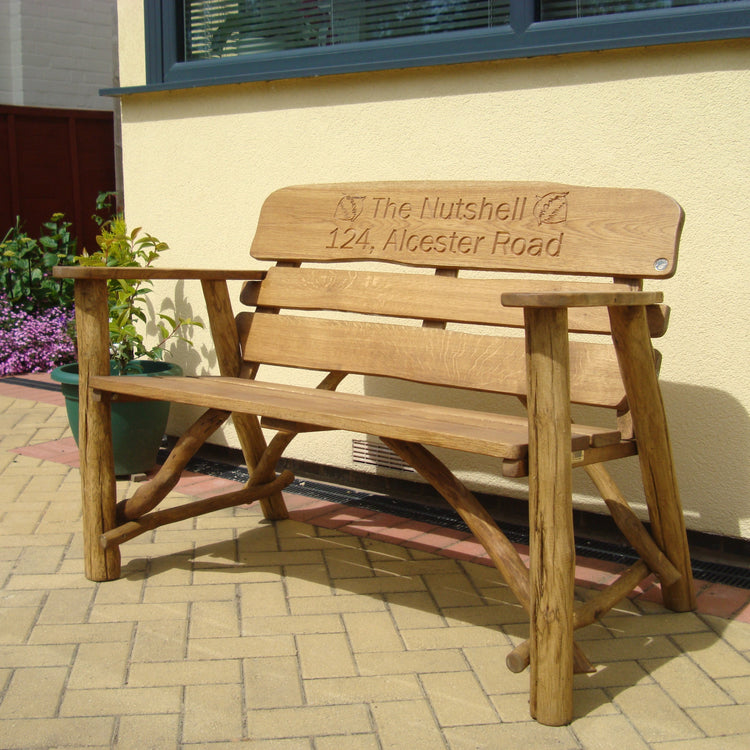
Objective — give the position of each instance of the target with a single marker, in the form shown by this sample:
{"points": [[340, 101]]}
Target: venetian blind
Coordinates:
{"points": [[221, 28], [554, 10]]}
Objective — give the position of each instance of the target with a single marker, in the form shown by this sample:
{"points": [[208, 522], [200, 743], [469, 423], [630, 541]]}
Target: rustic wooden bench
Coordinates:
{"points": [[474, 312]]}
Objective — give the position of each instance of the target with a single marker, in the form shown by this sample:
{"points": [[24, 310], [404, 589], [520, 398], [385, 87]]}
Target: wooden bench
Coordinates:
{"points": [[504, 281]]}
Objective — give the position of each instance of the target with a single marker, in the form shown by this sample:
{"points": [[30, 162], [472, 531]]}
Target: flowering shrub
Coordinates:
{"points": [[34, 342]]}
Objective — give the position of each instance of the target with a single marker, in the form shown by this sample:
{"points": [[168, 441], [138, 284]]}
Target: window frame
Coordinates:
{"points": [[522, 37]]}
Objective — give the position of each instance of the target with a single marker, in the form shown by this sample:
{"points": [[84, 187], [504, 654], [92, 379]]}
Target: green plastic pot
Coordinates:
{"points": [[137, 426]]}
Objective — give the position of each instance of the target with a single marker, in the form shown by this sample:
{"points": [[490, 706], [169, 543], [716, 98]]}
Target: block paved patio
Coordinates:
{"points": [[330, 631]]}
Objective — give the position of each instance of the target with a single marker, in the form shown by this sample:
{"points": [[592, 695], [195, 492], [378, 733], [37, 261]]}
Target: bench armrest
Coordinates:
{"points": [[94, 273], [580, 299]]}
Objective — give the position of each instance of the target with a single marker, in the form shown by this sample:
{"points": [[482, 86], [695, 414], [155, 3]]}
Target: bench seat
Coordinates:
{"points": [[489, 434]]}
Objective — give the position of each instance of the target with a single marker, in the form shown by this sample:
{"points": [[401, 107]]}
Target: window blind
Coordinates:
{"points": [[222, 28], [556, 10]]}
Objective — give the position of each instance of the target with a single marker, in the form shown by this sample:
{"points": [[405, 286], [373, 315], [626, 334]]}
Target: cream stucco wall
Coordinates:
{"points": [[198, 163]]}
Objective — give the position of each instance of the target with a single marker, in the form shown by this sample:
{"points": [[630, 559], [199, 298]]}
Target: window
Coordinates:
{"points": [[224, 28], [202, 42]]}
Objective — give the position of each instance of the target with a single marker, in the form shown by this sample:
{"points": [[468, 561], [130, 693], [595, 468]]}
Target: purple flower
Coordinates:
{"points": [[34, 342]]}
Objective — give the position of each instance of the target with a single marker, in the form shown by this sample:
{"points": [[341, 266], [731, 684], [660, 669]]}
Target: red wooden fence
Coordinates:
{"points": [[54, 160]]}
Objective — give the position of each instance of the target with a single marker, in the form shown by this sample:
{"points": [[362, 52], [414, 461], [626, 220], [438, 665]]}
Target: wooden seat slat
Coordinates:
{"points": [[478, 432], [494, 364]]}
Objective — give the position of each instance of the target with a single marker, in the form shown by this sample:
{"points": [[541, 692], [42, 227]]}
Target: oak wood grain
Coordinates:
{"points": [[431, 298], [489, 363], [513, 226]]}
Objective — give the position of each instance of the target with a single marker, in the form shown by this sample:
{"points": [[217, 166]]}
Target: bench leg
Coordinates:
{"points": [[226, 342], [552, 549], [636, 357], [95, 432]]}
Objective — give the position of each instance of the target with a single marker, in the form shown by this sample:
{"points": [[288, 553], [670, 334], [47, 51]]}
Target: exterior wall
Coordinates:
{"points": [[198, 163], [9, 74], [56, 54]]}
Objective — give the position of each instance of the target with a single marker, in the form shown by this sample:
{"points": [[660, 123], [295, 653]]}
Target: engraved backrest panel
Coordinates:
{"points": [[511, 226]]}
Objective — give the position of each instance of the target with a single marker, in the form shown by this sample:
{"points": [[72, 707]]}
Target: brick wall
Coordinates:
{"points": [[56, 54]]}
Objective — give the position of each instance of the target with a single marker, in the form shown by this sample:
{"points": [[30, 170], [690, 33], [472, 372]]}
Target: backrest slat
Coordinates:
{"points": [[425, 355], [458, 300], [513, 226]]}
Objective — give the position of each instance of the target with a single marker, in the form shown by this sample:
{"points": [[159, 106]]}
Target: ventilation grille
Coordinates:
{"points": [[377, 454]]}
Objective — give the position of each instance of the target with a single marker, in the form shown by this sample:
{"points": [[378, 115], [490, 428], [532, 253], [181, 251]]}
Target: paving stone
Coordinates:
{"points": [[100, 665], [118, 701], [36, 656], [63, 732], [319, 605], [721, 720], [272, 682], [715, 656], [33, 693], [16, 624], [655, 715], [212, 713], [426, 638], [405, 725], [214, 619], [685, 682], [415, 610], [378, 585], [353, 742], [737, 687], [488, 664], [372, 631], [139, 612], [625, 649], [458, 698], [280, 624], [608, 733], [307, 580], [344, 690], [157, 641], [148, 732], [66, 606], [308, 721], [452, 590], [39, 560], [208, 672], [325, 655], [348, 562], [725, 742], [519, 735], [734, 632], [240, 648]]}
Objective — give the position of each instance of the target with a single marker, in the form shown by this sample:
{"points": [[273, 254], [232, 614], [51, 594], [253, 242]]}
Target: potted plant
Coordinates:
{"points": [[137, 426]]}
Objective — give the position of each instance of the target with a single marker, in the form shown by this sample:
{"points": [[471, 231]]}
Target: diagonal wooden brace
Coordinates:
{"points": [[501, 551], [635, 355]]}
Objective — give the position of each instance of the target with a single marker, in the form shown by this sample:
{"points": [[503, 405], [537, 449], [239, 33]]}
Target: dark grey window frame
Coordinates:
{"points": [[523, 37]]}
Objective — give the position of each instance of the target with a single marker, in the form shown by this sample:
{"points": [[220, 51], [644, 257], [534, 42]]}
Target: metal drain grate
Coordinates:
{"points": [[377, 454]]}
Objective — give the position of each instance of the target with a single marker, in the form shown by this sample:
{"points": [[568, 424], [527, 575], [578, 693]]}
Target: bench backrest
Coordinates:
{"points": [[465, 233]]}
